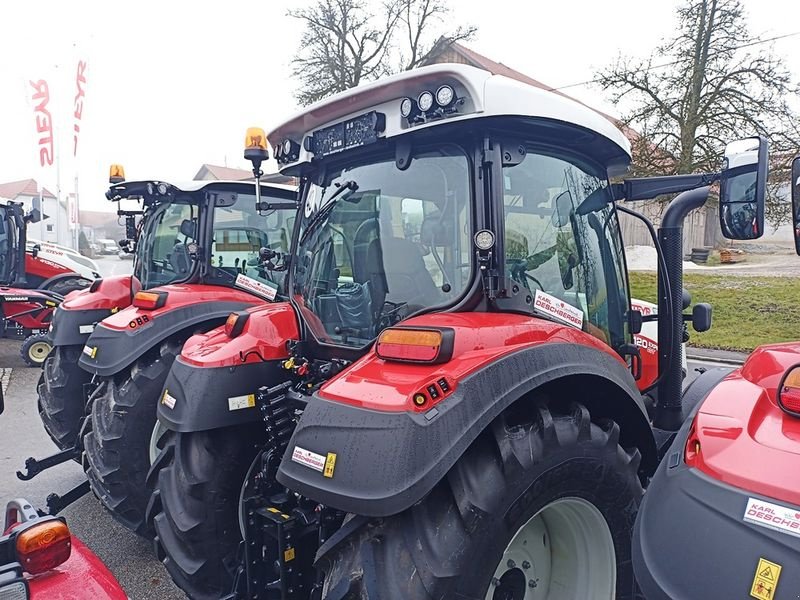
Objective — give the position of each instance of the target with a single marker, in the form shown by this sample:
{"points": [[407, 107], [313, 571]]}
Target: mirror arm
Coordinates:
{"points": [[645, 188]]}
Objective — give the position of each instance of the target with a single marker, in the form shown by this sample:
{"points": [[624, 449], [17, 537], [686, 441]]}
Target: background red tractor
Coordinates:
{"points": [[722, 512], [456, 410]]}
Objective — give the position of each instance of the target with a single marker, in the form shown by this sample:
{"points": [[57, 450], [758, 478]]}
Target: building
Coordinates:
{"points": [[54, 226]]}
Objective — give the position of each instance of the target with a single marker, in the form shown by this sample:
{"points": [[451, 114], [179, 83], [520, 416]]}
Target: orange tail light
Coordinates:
{"points": [[428, 345], [150, 300], [43, 546]]}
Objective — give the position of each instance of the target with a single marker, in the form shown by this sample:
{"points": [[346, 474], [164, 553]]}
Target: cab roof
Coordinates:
{"points": [[485, 95]]}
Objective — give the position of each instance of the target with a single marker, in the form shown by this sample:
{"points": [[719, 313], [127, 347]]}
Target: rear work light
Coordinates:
{"points": [[150, 300], [416, 345], [43, 546], [788, 393], [234, 324]]}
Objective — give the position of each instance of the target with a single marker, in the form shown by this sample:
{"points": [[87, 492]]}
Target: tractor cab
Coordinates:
{"points": [[207, 232], [13, 222]]}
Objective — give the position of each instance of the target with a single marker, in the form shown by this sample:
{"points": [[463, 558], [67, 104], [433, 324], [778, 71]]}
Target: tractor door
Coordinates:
{"points": [[572, 264], [7, 243]]}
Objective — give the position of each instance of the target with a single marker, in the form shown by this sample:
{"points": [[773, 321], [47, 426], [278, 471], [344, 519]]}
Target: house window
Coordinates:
{"points": [[49, 228]]}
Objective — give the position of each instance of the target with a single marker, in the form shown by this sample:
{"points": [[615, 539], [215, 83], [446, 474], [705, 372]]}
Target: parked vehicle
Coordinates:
{"points": [[197, 258], [722, 514], [108, 246], [448, 402]]}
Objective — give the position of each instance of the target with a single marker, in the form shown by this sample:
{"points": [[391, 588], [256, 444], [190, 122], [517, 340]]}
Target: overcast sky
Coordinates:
{"points": [[173, 85]]}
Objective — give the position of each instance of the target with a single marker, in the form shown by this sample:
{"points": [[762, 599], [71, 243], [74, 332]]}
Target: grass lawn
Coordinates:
{"points": [[747, 311]]}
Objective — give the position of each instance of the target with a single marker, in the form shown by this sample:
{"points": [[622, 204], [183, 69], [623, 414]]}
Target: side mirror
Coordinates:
{"points": [[795, 187], [35, 250], [701, 317], [743, 189], [788, 392], [34, 216]]}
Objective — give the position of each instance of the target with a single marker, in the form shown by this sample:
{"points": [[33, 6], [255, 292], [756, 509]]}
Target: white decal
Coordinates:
{"points": [[310, 459], [646, 308], [265, 290], [240, 402], [168, 400], [550, 305], [773, 516], [646, 344], [89, 351], [85, 328]]}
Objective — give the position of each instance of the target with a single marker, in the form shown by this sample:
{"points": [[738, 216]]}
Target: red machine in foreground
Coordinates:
{"points": [[721, 517]]}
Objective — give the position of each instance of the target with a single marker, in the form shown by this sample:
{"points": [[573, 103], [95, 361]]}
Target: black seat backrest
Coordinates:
{"points": [[396, 273]]}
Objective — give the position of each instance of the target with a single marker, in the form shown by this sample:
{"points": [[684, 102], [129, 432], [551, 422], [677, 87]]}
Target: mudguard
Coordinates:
{"points": [[123, 337], [214, 381], [360, 459], [63, 276], [75, 320]]}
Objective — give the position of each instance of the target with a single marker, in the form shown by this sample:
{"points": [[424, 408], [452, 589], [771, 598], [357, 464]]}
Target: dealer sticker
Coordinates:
{"points": [[558, 309], [310, 459], [240, 402], [85, 328], [260, 288], [168, 400], [773, 516], [89, 351]]}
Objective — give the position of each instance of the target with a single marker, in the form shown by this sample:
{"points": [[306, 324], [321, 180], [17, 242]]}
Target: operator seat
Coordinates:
{"points": [[396, 273]]}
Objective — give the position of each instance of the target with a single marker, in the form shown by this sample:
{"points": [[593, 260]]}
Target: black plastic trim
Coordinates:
{"points": [[200, 394], [66, 325], [387, 461], [115, 349]]}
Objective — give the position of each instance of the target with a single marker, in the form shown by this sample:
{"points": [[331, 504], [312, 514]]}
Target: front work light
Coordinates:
{"points": [[484, 239], [406, 107], [425, 101], [445, 96], [418, 345]]}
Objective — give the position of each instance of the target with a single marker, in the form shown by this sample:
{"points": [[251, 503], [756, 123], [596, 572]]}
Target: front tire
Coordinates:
{"points": [[195, 508], [35, 349], [536, 508], [117, 448]]}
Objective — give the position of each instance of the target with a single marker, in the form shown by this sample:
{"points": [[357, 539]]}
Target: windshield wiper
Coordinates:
{"points": [[350, 185]]}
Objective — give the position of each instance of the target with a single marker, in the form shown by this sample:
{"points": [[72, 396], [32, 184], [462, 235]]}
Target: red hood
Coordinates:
{"points": [[112, 293], [745, 439], [180, 295], [263, 338]]}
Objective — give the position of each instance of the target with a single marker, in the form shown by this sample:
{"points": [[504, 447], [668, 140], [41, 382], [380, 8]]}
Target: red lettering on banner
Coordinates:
{"points": [[44, 123], [80, 81]]}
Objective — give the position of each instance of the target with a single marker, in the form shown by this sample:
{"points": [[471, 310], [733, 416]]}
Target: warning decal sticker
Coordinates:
{"points": [[765, 581], [558, 309], [240, 402], [773, 516]]}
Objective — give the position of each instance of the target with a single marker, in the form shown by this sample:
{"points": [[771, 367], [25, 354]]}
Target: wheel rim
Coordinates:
{"points": [[564, 551], [156, 441], [38, 351]]}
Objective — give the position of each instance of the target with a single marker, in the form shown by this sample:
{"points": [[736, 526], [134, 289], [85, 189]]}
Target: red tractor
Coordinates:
{"points": [[449, 404], [200, 254], [31, 285], [722, 512]]}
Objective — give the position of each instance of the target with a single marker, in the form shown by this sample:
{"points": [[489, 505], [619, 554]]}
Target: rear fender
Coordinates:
{"points": [[407, 452], [214, 381], [123, 337], [78, 314]]}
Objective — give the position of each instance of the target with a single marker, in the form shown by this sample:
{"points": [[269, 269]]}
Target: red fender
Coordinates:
{"points": [[744, 438], [109, 293], [480, 338]]}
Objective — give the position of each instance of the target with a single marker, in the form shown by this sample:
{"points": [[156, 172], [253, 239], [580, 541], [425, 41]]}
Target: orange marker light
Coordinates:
{"points": [[234, 324], [116, 174], [150, 300], [415, 345], [789, 391], [43, 546]]}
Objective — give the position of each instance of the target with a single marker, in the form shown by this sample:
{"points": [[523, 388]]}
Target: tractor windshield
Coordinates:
{"points": [[572, 264], [166, 252], [378, 243]]}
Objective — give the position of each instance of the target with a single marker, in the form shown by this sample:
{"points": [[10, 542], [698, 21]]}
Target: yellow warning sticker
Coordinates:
{"points": [[330, 465], [765, 581], [288, 554]]}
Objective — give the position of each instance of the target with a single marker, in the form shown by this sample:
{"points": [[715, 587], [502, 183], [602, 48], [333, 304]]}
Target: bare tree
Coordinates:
{"points": [[347, 42], [712, 83]]}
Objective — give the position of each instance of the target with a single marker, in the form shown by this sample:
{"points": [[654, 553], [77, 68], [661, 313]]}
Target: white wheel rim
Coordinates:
{"points": [[155, 438], [565, 552], [39, 351]]}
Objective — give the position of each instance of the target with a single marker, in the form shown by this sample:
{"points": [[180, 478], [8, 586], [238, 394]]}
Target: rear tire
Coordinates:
{"points": [[195, 508], [61, 401], [65, 286], [35, 349], [536, 508], [117, 448]]}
